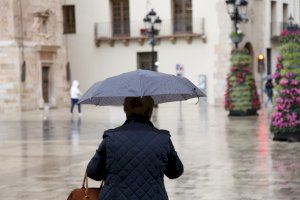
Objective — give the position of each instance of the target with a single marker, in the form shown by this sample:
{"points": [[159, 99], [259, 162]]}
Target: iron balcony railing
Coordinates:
{"points": [[137, 29]]}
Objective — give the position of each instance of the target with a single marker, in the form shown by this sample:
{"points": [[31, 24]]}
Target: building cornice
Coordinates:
{"points": [[46, 48]]}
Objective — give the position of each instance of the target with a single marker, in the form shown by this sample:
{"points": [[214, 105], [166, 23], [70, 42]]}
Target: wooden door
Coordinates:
{"points": [[45, 83], [144, 60]]}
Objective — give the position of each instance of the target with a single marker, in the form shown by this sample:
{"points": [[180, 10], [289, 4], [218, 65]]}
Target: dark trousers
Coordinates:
{"points": [[270, 94], [73, 103]]}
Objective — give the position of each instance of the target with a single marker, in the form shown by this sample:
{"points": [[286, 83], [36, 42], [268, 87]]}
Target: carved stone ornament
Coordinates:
{"points": [[44, 23]]}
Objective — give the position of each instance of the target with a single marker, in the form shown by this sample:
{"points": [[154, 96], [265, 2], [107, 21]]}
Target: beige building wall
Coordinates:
{"points": [[9, 60], [275, 20], [222, 49], [262, 31], [31, 31], [91, 63], [254, 39], [208, 56]]}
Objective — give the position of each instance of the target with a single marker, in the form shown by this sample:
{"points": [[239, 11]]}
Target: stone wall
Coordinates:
{"points": [[41, 22], [254, 35], [222, 51], [9, 60], [9, 80]]}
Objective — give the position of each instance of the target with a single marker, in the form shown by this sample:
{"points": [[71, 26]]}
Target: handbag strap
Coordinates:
{"points": [[85, 185], [85, 181]]}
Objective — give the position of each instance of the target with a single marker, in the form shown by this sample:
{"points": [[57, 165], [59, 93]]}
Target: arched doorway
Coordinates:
{"points": [[257, 77], [249, 47]]}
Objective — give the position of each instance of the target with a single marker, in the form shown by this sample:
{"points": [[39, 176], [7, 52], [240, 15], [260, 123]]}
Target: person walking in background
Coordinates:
{"points": [[269, 91], [133, 158], [75, 93]]}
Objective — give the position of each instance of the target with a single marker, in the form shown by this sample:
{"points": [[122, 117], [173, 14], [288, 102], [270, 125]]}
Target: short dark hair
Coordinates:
{"points": [[138, 106]]}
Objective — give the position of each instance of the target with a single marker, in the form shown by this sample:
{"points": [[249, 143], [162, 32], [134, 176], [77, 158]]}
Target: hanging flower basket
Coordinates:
{"points": [[143, 31], [236, 38]]}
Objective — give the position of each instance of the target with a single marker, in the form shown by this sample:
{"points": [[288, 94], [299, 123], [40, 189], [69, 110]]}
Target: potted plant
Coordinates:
{"points": [[241, 98], [285, 120]]}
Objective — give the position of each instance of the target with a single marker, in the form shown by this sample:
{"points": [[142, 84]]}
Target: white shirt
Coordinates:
{"points": [[75, 92]]}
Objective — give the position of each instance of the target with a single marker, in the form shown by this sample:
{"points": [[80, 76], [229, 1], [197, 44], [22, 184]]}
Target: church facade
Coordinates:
{"points": [[33, 58]]}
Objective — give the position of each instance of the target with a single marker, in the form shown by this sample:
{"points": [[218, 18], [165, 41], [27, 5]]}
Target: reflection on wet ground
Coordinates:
{"points": [[43, 154]]}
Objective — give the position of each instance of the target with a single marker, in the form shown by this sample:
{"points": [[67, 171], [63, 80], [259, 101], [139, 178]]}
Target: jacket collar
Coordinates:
{"points": [[139, 120]]}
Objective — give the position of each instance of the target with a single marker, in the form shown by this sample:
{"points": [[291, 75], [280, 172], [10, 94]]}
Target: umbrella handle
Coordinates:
{"points": [[197, 96]]}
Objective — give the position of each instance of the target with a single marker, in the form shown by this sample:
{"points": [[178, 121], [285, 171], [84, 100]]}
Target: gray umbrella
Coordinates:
{"points": [[161, 87]]}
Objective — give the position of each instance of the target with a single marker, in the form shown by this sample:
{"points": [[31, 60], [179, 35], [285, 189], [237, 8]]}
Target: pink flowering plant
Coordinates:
{"points": [[290, 36], [241, 94], [286, 116]]}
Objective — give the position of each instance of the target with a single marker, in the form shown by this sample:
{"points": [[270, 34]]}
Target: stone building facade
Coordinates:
{"points": [[277, 14], [204, 52], [193, 35], [32, 55], [267, 19]]}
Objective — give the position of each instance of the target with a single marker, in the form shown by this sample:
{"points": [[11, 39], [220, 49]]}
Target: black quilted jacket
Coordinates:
{"points": [[133, 160]]}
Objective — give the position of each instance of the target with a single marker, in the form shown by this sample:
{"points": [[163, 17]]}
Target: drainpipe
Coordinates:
{"points": [[23, 66], [68, 67]]}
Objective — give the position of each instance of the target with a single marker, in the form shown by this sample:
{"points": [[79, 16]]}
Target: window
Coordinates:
{"points": [[69, 19], [144, 60], [274, 24], [182, 16], [120, 17], [285, 12]]}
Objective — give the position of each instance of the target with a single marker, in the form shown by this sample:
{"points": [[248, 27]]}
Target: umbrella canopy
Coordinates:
{"points": [[161, 87]]}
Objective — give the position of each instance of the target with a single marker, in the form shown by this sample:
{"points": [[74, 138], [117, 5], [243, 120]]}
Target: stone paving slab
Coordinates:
{"points": [[43, 153]]}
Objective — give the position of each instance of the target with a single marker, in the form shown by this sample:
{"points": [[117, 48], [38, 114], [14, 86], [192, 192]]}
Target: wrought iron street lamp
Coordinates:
{"points": [[291, 25], [237, 10], [152, 26], [291, 20]]}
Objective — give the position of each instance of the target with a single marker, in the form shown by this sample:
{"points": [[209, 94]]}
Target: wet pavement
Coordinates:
{"points": [[43, 153]]}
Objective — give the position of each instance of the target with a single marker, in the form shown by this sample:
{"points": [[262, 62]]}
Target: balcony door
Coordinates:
{"points": [[182, 16], [120, 18]]}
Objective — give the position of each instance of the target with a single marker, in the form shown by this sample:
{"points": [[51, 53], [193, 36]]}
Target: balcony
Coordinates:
{"points": [[104, 32], [277, 28]]}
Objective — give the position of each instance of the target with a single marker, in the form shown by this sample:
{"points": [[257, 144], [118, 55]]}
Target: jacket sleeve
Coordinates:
{"points": [[79, 92], [174, 167], [96, 168]]}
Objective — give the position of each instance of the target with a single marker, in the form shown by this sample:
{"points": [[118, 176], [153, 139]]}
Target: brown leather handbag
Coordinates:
{"points": [[85, 193]]}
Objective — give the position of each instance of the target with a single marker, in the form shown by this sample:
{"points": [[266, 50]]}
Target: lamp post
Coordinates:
{"points": [[291, 20], [261, 71], [237, 10], [291, 25], [152, 27]]}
